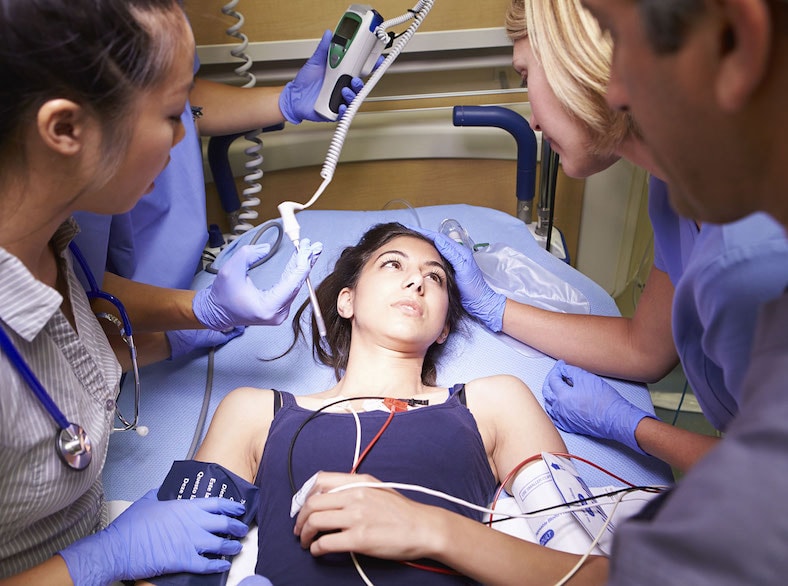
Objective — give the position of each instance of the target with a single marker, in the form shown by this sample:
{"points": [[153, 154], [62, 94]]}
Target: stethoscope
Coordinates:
{"points": [[72, 443]]}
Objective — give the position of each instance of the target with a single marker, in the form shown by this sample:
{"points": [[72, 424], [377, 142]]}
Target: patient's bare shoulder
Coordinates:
{"points": [[499, 387], [238, 430]]}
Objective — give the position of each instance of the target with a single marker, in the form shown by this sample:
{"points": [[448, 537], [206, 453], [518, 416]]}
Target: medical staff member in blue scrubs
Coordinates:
{"points": [[706, 83], [89, 110], [160, 241], [711, 279]]}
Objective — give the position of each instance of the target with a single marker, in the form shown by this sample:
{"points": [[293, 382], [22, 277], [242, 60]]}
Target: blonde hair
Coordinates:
{"points": [[576, 57]]}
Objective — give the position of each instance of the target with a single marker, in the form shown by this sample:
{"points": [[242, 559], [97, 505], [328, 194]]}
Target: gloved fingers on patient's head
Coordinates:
{"points": [[458, 255], [426, 232], [441, 241]]}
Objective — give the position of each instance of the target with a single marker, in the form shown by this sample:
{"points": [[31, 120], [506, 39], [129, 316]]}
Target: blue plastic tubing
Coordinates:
{"points": [[517, 126]]}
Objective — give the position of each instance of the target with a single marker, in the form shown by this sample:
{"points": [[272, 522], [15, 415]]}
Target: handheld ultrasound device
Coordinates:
{"points": [[353, 52]]}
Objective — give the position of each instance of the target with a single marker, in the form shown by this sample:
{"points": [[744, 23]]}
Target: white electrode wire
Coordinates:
{"points": [[448, 497], [356, 455], [459, 501], [599, 535]]}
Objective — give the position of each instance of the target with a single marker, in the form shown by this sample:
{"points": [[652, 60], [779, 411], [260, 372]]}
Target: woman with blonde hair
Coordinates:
{"points": [[701, 297]]}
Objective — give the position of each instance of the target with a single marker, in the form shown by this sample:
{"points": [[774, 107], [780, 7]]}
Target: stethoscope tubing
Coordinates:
{"points": [[95, 292], [72, 442], [32, 380]]}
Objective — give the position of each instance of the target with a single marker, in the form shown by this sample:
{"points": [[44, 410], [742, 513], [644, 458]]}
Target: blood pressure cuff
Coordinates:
{"points": [[190, 479]]}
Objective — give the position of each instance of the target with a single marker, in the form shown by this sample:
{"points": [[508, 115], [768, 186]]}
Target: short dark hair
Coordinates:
{"points": [[666, 22], [346, 273]]}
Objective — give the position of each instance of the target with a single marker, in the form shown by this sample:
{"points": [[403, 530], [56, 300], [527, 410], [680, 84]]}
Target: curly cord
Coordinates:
{"points": [[241, 221], [239, 52], [418, 13], [247, 213], [287, 209]]}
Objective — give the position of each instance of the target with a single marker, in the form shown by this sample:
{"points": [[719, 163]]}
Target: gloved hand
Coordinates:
{"points": [[184, 341], [478, 298], [297, 100], [255, 580], [233, 299], [155, 537], [590, 406]]}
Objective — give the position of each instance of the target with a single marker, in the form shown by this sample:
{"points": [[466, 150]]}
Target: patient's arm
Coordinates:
{"points": [[385, 524], [238, 431], [511, 421], [640, 348]]}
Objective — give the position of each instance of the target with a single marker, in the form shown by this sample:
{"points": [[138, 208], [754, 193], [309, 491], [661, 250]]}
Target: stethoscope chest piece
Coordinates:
{"points": [[73, 446]]}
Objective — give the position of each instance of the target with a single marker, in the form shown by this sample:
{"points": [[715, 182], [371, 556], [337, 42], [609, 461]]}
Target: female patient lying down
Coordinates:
{"points": [[389, 306]]}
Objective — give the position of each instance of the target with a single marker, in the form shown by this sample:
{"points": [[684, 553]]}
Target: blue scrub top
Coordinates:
{"points": [[160, 241], [721, 274]]}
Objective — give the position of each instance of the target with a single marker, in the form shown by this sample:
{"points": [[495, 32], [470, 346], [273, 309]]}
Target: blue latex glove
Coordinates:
{"points": [[255, 580], [478, 298], [155, 537], [297, 100], [184, 341], [591, 406], [234, 300]]}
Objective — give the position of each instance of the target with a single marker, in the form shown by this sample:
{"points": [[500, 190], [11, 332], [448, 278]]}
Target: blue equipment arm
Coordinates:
{"points": [[517, 126]]}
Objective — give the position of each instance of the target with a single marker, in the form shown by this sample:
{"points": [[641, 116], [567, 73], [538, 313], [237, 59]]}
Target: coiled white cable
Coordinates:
{"points": [[287, 209], [247, 213], [241, 220]]}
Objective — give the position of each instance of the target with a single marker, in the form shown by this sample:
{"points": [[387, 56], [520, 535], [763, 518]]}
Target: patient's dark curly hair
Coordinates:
{"points": [[346, 273]]}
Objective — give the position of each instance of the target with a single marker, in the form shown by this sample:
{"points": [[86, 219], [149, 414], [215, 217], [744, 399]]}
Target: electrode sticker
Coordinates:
{"points": [[572, 488]]}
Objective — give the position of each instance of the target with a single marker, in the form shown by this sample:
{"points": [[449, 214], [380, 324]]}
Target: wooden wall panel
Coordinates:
{"points": [[371, 185], [307, 19]]}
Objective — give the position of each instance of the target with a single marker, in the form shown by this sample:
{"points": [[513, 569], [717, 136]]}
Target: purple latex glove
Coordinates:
{"points": [[184, 341], [297, 100], [478, 298], [233, 299], [154, 537], [590, 406], [255, 580]]}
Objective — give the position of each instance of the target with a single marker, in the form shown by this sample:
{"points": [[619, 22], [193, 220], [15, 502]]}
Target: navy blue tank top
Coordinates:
{"points": [[436, 446]]}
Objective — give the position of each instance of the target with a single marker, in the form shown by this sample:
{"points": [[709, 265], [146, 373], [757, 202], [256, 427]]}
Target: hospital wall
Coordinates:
{"points": [[402, 146]]}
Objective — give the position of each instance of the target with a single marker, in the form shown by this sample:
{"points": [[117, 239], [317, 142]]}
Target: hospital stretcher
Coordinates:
{"points": [[173, 391]]}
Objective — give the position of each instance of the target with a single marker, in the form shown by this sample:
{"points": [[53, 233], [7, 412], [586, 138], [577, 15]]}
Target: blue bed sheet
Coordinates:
{"points": [[172, 391]]}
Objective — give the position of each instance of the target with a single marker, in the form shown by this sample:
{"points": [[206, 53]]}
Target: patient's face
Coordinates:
{"points": [[401, 298]]}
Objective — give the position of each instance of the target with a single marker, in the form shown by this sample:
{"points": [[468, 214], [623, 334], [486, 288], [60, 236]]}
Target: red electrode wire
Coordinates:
{"points": [[397, 406], [533, 458]]}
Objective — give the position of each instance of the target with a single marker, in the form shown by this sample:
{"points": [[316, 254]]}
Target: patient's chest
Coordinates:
{"points": [[438, 447]]}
